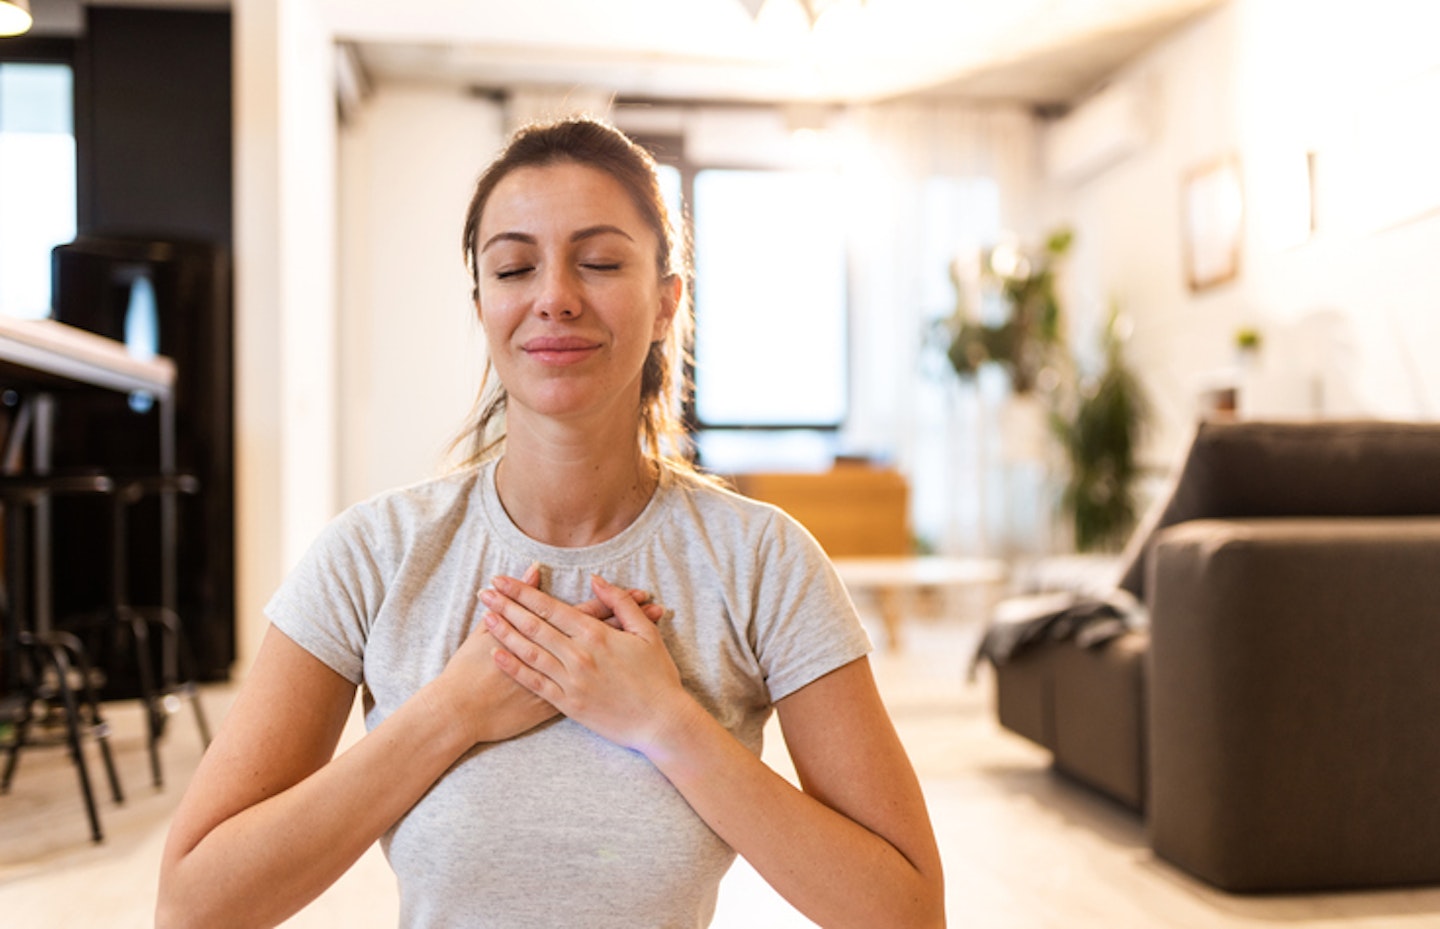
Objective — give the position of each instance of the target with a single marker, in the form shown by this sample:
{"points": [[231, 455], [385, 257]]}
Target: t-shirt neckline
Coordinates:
{"points": [[615, 547]]}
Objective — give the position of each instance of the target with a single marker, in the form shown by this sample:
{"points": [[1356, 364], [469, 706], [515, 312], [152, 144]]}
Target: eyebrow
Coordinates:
{"points": [[579, 235]]}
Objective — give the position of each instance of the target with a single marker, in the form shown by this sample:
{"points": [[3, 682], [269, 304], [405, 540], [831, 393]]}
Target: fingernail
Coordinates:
{"points": [[503, 584], [487, 596], [490, 620]]}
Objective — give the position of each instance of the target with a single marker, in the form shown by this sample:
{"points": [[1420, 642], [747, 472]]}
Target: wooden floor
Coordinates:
{"points": [[1022, 848]]}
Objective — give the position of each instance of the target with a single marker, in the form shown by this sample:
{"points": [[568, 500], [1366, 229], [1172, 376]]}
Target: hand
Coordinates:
{"points": [[486, 702], [618, 682], [653, 611]]}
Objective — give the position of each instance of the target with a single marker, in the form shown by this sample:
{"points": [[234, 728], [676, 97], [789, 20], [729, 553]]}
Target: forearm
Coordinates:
{"points": [[266, 862], [830, 867]]}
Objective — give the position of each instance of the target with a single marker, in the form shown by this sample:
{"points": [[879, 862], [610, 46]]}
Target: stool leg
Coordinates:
{"points": [[12, 757], [102, 736], [182, 681], [154, 712], [97, 721], [127, 617], [72, 731]]}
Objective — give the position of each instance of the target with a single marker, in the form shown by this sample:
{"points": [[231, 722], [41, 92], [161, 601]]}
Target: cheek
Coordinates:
{"points": [[495, 314]]}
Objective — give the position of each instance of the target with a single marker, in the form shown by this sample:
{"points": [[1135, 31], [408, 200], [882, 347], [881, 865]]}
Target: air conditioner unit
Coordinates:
{"points": [[1110, 126]]}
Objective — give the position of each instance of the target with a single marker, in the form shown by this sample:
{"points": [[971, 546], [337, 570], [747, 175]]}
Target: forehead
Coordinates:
{"points": [[561, 197]]}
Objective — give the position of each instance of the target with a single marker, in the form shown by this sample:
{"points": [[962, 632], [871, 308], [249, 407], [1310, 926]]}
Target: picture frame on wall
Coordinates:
{"points": [[1213, 214]]}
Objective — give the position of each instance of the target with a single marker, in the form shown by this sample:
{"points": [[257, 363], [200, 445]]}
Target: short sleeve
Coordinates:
{"points": [[328, 600], [806, 624]]}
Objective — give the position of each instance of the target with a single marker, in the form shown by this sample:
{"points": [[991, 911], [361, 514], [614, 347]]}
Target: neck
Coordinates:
{"points": [[572, 491]]}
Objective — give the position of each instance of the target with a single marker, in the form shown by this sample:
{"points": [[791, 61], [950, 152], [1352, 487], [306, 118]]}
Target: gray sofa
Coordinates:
{"points": [[1278, 722]]}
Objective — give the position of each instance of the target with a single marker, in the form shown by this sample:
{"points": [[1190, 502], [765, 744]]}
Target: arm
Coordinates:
{"points": [[270, 820], [853, 848]]}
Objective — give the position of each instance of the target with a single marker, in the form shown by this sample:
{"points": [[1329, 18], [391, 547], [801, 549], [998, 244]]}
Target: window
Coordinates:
{"points": [[37, 180], [770, 318]]}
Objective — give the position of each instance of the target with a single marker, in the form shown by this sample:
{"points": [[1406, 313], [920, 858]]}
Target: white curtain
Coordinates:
{"points": [[968, 495]]}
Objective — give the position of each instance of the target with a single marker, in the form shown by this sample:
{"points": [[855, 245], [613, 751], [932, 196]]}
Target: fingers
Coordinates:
{"points": [[525, 638], [593, 607], [655, 612], [632, 618], [553, 611], [526, 676], [556, 613]]}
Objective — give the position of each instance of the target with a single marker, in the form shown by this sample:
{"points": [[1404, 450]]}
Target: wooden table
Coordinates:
{"points": [[895, 579]]}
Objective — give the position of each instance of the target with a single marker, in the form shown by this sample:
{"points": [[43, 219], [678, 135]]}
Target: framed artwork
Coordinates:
{"points": [[1213, 213]]}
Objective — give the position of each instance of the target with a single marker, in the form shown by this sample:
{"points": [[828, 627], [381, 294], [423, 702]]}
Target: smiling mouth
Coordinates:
{"points": [[560, 350]]}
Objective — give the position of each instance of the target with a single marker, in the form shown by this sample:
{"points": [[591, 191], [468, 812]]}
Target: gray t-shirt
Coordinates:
{"points": [[559, 827]]}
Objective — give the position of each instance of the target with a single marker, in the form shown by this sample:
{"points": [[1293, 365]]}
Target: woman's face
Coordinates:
{"points": [[569, 293]]}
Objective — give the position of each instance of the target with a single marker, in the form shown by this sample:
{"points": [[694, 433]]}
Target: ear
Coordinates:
{"points": [[672, 288]]}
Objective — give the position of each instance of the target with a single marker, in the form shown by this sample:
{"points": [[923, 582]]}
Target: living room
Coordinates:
{"points": [[1304, 114]]}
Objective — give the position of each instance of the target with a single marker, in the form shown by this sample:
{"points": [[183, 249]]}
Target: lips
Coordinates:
{"points": [[560, 349]]}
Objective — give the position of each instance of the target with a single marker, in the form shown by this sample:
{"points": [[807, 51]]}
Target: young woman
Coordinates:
{"points": [[561, 751]]}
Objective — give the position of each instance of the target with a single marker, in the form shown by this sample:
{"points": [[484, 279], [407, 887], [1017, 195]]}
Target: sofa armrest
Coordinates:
{"points": [[1293, 705]]}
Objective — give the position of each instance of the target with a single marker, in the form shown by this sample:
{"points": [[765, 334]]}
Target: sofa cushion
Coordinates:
{"points": [[1259, 469], [1293, 700], [1087, 705]]}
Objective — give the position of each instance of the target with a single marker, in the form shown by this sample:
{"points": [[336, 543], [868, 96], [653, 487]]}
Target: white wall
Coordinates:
{"points": [[284, 297], [341, 389], [1348, 314], [411, 350]]}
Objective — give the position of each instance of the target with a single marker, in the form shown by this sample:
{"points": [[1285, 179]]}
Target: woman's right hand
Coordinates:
{"points": [[488, 702]]}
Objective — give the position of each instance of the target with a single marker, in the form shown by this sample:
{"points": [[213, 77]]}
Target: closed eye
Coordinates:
{"points": [[601, 265], [507, 273]]}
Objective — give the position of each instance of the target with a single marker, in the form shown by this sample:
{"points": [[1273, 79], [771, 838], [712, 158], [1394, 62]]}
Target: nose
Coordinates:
{"points": [[559, 297]]}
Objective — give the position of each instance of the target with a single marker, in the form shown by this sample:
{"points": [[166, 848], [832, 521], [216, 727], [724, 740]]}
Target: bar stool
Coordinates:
{"points": [[159, 690], [121, 634], [47, 669]]}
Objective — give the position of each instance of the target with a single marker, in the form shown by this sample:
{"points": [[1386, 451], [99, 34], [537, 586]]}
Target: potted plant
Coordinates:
{"points": [[1100, 435], [1025, 341]]}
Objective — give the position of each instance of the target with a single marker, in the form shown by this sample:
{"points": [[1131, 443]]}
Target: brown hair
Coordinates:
{"points": [[588, 142]]}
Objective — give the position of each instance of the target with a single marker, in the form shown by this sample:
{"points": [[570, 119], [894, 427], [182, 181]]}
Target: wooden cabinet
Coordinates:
{"points": [[852, 510]]}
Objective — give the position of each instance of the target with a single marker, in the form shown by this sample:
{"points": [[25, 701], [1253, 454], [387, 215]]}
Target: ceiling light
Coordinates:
{"points": [[15, 17], [814, 9]]}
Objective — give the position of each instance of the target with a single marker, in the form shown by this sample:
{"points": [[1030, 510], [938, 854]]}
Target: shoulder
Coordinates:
{"points": [[416, 504], [393, 519], [723, 512], [717, 501]]}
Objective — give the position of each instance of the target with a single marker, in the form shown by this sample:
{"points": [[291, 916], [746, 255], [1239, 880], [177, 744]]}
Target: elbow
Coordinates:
{"points": [[928, 911], [166, 917], [931, 914], [169, 914], [174, 910], [172, 915]]}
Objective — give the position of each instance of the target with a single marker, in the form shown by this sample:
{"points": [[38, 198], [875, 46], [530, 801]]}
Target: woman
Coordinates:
{"points": [[563, 752]]}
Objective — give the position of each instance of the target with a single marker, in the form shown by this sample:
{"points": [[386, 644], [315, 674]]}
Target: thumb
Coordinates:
{"points": [[629, 614]]}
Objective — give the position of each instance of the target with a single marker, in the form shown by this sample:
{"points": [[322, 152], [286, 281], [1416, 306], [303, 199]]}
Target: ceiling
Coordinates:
{"points": [[1045, 53]]}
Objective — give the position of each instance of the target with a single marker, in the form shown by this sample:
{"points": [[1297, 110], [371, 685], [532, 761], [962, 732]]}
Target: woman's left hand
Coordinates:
{"points": [[619, 683]]}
